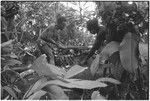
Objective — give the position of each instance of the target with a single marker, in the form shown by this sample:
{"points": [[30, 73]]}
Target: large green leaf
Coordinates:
{"points": [[41, 66], [95, 64], [108, 50], [87, 84], [74, 70], [7, 49], [12, 55], [56, 92], [35, 87], [10, 91], [13, 62], [5, 44], [111, 80], [76, 83], [127, 51], [143, 49], [37, 95]]}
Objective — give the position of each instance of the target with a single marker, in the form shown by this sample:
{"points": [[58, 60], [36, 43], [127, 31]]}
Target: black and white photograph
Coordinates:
{"points": [[74, 50]]}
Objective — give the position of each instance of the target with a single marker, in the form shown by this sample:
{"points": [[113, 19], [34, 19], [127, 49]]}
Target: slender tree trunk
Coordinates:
{"points": [[56, 11], [80, 8]]}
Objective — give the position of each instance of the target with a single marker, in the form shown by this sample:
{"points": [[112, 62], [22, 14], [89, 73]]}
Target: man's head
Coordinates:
{"points": [[61, 22], [92, 26]]}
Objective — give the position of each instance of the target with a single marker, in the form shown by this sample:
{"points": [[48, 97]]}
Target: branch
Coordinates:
{"points": [[26, 51], [85, 3], [45, 29], [21, 22], [78, 47]]}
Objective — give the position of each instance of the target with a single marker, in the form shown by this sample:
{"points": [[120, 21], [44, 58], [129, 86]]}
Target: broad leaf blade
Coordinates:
{"points": [[82, 84], [13, 62], [143, 49], [37, 95], [10, 91], [128, 53], [108, 50], [95, 65], [33, 88], [7, 43], [41, 66], [56, 92], [87, 84], [56, 70], [76, 69], [111, 80]]}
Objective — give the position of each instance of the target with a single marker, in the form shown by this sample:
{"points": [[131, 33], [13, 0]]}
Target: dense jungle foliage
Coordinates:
{"points": [[117, 71]]}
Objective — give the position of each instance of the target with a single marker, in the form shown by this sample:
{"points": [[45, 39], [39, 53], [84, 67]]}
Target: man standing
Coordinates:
{"points": [[100, 31], [50, 38]]}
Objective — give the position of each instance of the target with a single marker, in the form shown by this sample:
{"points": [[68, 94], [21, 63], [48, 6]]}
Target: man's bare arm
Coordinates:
{"points": [[49, 40], [45, 36], [97, 44]]}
